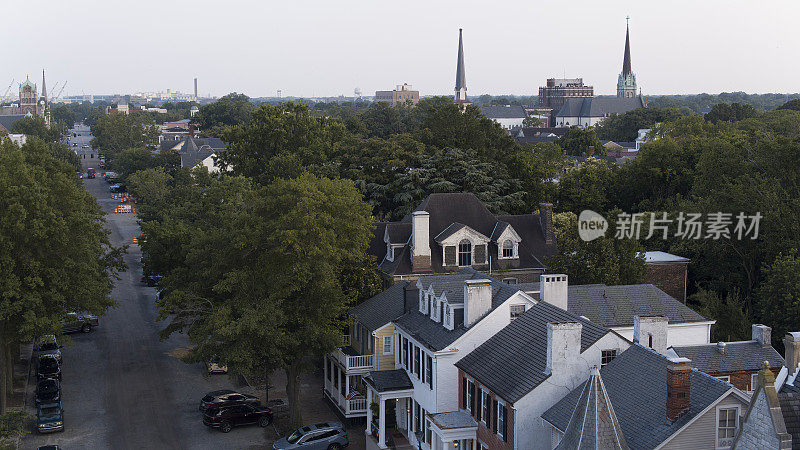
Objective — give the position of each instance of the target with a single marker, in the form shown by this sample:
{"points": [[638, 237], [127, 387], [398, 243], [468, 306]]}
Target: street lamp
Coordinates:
{"points": [[419, 435]]}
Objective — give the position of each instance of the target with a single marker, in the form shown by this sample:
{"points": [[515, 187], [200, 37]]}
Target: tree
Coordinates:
{"points": [[532, 122], [723, 112], [537, 167], [793, 105], [605, 260], [733, 323], [114, 133], [625, 127], [230, 110], [585, 186], [134, 159], [577, 142], [63, 115], [779, 295], [35, 127], [55, 256]]}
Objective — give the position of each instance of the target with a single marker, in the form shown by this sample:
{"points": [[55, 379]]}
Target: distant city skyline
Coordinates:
{"points": [[326, 49]]}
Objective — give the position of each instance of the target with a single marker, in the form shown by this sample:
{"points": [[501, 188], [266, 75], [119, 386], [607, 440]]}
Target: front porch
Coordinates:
{"points": [[392, 391], [343, 389]]}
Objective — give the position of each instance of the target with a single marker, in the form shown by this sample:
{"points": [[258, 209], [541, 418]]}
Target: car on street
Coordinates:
{"points": [[90, 173], [83, 322], [227, 397], [48, 367], [50, 418], [115, 188], [47, 391], [225, 418], [48, 345], [49, 447], [110, 177], [320, 436]]}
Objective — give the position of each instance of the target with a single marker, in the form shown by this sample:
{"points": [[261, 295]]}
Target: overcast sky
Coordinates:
{"points": [[322, 48]]}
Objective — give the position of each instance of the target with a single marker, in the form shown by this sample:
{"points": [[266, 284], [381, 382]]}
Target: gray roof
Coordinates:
{"points": [[739, 356], [593, 425], [529, 287], [599, 106], [499, 228], [7, 122], [453, 419], [389, 380], [195, 150], [449, 231], [615, 306], [382, 308], [789, 398], [513, 361], [399, 233], [503, 112], [433, 334], [636, 383]]}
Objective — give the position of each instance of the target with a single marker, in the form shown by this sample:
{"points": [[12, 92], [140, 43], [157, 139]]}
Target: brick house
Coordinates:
{"points": [[668, 273], [450, 231]]}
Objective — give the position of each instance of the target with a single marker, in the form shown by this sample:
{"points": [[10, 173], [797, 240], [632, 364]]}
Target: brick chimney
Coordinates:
{"points": [[792, 353], [679, 385], [553, 289], [546, 222], [651, 332], [563, 347], [762, 334], [420, 241], [477, 300]]}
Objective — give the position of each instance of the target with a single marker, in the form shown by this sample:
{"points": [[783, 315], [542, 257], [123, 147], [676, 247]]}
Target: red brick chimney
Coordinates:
{"points": [[678, 386], [191, 129], [546, 222]]}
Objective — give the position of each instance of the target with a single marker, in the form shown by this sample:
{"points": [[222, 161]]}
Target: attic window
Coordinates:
{"points": [[465, 253], [508, 249]]}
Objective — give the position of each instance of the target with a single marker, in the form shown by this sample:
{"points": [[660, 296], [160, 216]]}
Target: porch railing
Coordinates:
{"points": [[357, 405], [360, 362]]}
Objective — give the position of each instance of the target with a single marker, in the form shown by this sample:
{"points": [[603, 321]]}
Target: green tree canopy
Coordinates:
{"points": [[723, 112], [576, 142], [114, 133], [625, 127]]}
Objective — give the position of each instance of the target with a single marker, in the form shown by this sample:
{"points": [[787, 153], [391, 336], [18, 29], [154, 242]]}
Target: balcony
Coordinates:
{"points": [[352, 361], [353, 405]]}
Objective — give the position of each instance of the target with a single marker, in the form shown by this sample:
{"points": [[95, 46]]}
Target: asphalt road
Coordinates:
{"points": [[123, 388]]}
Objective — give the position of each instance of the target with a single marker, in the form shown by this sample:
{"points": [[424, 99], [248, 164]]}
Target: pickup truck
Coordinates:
{"points": [[79, 322]]}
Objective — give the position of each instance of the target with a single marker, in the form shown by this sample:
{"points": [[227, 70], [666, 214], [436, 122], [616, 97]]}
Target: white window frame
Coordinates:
{"points": [[503, 247], [388, 344], [471, 253], [486, 404], [616, 353], [717, 428], [500, 406], [434, 310], [469, 404], [725, 378], [510, 280], [753, 382], [512, 308]]}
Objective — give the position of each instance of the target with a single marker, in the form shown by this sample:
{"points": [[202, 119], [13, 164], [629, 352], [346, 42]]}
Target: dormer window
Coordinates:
{"points": [[465, 253], [508, 249], [423, 303], [435, 309]]}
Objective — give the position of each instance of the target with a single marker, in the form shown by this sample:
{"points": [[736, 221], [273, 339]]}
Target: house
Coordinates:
{"points": [[368, 346], [7, 121], [616, 307], [587, 112], [735, 362], [453, 314], [511, 379], [449, 231], [667, 272], [200, 151], [655, 401], [509, 117]]}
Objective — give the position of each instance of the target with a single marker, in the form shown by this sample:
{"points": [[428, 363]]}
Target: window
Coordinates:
{"points": [[606, 356], [516, 311], [753, 382], [416, 361], [725, 378], [429, 371], [510, 280], [368, 337], [387, 345], [405, 353], [508, 249], [465, 253], [501, 420], [470, 386], [416, 416], [727, 422], [485, 405], [428, 432]]}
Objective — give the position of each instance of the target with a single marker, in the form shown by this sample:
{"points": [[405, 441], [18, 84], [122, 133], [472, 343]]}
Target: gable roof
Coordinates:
{"points": [[434, 335], [382, 308], [738, 356], [615, 306], [194, 150], [599, 106], [7, 121], [512, 362], [503, 112], [399, 233], [636, 383]]}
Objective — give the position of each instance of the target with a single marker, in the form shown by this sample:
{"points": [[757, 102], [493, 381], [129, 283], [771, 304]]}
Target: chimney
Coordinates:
{"points": [[762, 334], [651, 331], [546, 222], [195, 88], [563, 346], [191, 130], [410, 297], [679, 384], [721, 347], [420, 241], [477, 300], [792, 345], [553, 290]]}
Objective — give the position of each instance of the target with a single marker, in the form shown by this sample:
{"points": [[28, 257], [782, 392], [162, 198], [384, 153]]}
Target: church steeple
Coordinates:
{"points": [[626, 83], [461, 77], [44, 88]]}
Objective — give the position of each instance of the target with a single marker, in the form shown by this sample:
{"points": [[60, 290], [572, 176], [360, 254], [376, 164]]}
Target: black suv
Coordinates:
{"points": [[48, 367], [48, 391], [227, 397], [226, 417]]}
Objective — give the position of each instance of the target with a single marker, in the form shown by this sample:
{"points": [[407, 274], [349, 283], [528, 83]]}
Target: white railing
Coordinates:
{"points": [[357, 405], [360, 362]]}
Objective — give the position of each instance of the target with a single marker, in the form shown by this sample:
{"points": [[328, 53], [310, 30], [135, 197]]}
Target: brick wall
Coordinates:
{"points": [[741, 379], [670, 278], [485, 434]]}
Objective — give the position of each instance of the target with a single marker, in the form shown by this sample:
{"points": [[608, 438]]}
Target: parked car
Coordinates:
{"points": [[48, 391], [48, 345], [110, 176], [48, 367], [227, 397], [226, 417], [79, 322], [322, 436], [214, 366], [49, 447], [90, 173], [50, 418]]}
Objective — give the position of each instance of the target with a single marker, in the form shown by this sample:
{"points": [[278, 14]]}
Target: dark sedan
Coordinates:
{"points": [[48, 391], [226, 417], [48, 367], [227, 397]]}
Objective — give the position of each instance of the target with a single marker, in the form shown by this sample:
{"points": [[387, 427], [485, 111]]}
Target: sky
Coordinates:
{"points": [[326, 48]]}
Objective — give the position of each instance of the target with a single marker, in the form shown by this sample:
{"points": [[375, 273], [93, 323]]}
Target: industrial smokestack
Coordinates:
{"points": [[195, 88]]}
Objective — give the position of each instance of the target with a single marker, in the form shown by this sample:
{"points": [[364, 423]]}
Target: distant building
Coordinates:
{"points": [[509, 117], [586, 112], [461, 76], [557, 90], [119, 108], [626, 83], [19, 139], [399, 96]]}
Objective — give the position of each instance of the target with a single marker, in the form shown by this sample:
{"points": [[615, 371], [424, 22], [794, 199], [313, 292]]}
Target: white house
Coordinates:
{"points": [[589, 111], [509, 117]]}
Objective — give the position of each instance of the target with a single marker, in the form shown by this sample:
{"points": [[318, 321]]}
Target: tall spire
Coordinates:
{"points": [[626, 61], [461, 77], [44, 88]]}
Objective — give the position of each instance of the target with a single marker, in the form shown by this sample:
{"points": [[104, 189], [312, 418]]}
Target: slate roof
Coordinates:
{"points": [[789, 398], [599, 106], [453, 419], [503, 112], [194, 150], [433, 334], [615, 306], [399, 233], [499, 228], [446, 209], [512, 362], [593, 425], [382, 308], [389, 380], [449, 231], [745, 356], [7, 122], [636, 383]]}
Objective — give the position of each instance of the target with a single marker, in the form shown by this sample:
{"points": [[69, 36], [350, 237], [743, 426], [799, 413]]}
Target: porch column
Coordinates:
{"points": [[368, 431], [347, 393], [381, 422]]}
